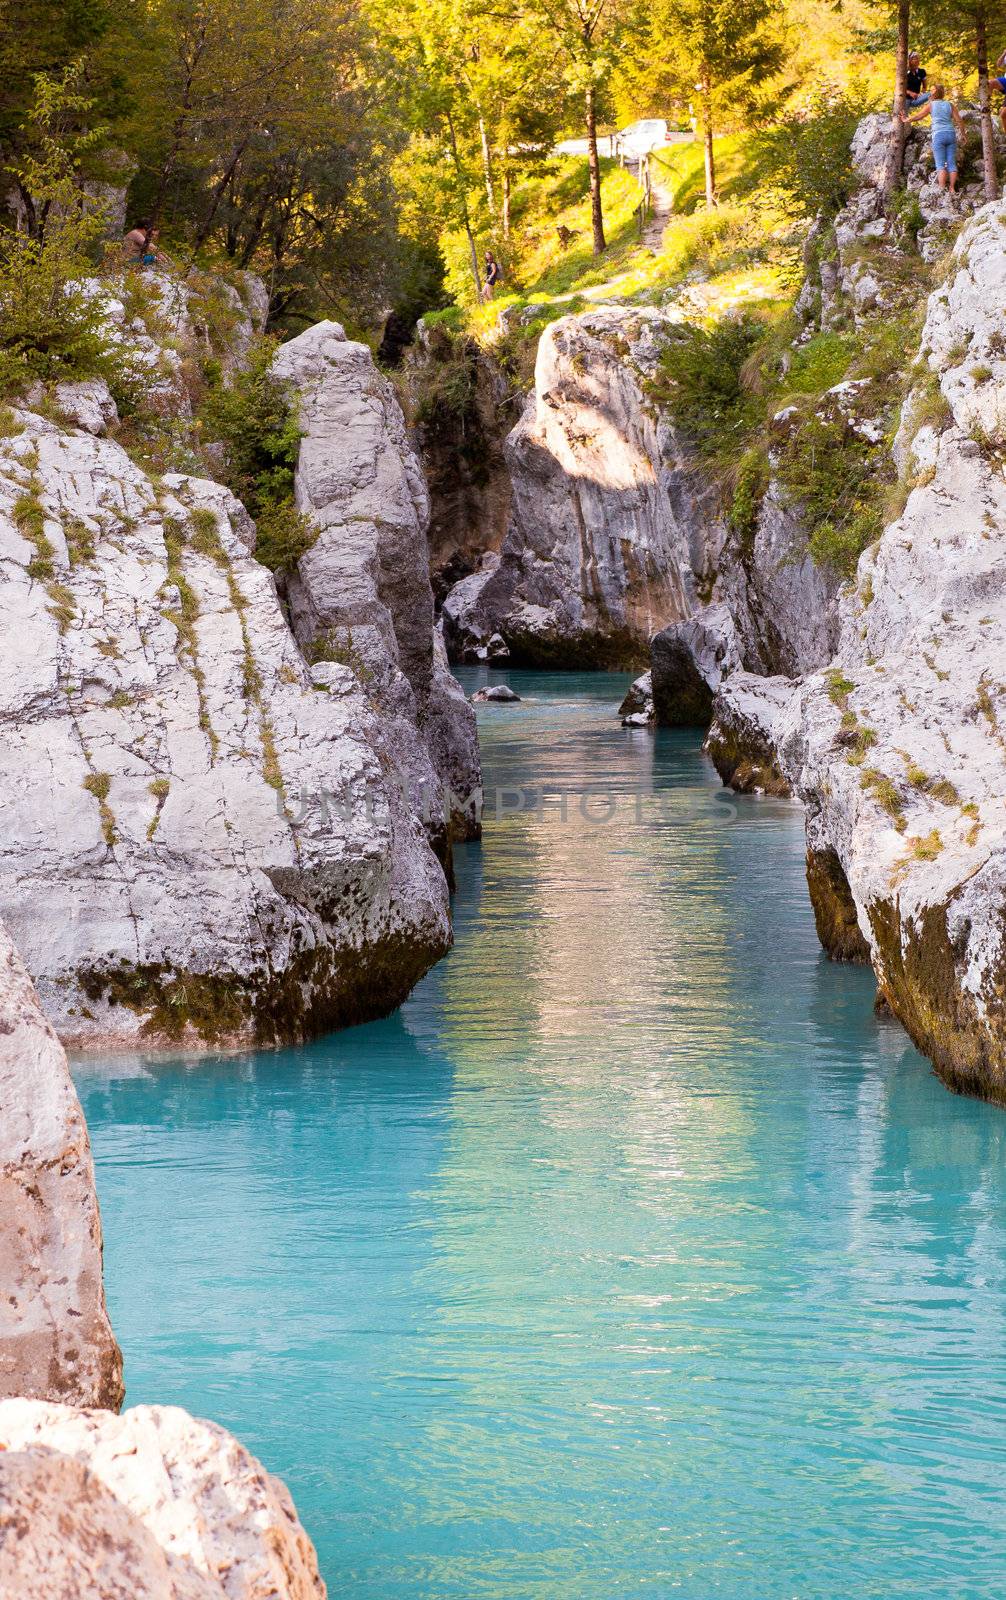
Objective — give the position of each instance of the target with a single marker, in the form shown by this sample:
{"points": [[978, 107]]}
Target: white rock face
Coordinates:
{"points": [[152, 1505], [55, 1338], [899, 749], [363, 591], [87, 405], [752, 718], [616, 531], [204, 837], [609, 521], [159, 320]]}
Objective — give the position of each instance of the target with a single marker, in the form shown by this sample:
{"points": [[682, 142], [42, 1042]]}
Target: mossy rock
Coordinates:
{"points": [[322, 989], [744, 762], [834, 908], [620, 650], [919, 978]]}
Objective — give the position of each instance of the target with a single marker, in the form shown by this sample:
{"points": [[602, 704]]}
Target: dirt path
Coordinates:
{"points": [[661, 210]]}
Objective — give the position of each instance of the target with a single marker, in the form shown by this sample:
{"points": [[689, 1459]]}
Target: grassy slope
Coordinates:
{"points": [[744, 250]]}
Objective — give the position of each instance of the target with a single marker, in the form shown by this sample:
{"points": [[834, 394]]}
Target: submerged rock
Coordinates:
{"points": [[638, 698], [55, 1339], [152, 1505], [500, 692]]}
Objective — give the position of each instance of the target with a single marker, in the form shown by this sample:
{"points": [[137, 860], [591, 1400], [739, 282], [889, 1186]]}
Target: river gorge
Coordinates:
{"points": [[634, 1255], [553, 1117]]}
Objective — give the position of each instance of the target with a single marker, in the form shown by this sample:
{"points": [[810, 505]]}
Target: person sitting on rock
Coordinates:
{"points": [[140, 245], [915, 83], [947, 126]]}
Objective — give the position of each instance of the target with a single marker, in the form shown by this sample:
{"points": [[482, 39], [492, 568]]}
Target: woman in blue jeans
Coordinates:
{"points": [[947, 126]]}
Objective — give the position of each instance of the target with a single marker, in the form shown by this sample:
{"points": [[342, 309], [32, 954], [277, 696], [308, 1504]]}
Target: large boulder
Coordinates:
{"points": [[152, 1505], [610, 521], [55, 1338], [205, 838], [690, 660], [362, 593]]}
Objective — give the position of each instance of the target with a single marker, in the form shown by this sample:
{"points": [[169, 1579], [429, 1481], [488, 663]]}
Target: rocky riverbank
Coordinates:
{"points": [[873, 697], [894, 745], [152, 1503]]}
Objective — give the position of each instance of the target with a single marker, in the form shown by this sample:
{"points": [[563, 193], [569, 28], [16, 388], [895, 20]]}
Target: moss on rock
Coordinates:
{"points": [[834, 908], [321, 989], [917, 969]]}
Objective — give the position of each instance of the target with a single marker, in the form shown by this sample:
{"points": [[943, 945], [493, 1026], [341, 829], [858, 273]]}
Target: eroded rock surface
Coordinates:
{"points": [[616, 534], [55, 1339], [464, 410], [204, 838], [152, 1505], [362, 594], [898, 749], [610, 522]]}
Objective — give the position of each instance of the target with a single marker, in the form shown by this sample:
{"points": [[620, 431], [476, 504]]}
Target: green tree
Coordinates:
{"points": [[590, 37], [50, 324], [724, 52]]}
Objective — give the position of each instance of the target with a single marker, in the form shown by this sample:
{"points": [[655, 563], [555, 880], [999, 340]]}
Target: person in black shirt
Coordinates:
{"points": [[493, 276], [915, 83]]}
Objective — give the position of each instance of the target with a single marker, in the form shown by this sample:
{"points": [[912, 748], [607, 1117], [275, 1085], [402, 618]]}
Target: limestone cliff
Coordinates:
{"points": [[463, 406], [897, 749], [610, 531], [362, 593], [617, 531], [219, 829]]}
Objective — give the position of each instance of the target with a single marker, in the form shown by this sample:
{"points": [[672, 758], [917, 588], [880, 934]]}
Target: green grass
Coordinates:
{"points": [[745, 241]]}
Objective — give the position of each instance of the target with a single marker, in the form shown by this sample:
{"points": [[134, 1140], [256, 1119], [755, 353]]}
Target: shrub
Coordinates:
{"points": [[749, 491], [806, 154], [831, 471], [284, 535], [700, 383], [256, 421]]}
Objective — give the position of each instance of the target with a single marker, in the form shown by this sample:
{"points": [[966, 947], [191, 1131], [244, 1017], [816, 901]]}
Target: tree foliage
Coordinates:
{"points": [[50, 324]]}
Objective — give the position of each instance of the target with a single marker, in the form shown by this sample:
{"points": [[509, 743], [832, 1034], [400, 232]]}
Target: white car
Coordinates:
{"points": [[639, 138]]}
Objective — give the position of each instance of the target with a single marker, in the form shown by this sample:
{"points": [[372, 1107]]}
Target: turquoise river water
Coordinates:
{"points": [[633, 1257]]}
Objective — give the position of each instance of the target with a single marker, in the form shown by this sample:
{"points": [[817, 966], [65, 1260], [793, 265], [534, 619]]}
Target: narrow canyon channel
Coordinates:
{"points": [[635, 1255]]}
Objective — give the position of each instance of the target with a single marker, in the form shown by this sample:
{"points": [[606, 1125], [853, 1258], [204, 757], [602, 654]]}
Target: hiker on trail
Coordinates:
{"points": [[947, 126], [493, 276], [140, 245], [915, 83], [1001, 84]]}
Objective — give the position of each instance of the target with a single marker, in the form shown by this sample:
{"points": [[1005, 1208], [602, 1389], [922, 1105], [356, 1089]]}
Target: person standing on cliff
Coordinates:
{"points": [[1000, 83], [947, 128]]}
